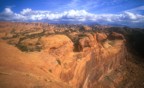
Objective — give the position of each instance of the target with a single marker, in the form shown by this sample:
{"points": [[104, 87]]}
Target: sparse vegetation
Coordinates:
{"points": [[111, 42], [97, 58], [58, 61], [82, 35], [50, 70], [22, 48]]}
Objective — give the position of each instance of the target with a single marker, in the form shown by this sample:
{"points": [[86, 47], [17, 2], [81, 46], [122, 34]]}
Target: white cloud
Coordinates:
{"points": [[8, 11], [131, 15], [26, 11], [71, 15]]}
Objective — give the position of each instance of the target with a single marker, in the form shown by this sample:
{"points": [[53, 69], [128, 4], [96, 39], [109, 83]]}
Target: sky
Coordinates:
{"points": [[107, 12]]}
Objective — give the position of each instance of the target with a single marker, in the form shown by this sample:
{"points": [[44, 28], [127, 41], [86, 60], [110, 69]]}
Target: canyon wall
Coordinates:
{"points": [[52, 57]]}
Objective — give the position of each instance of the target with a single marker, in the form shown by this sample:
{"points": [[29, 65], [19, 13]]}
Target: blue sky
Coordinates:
{"points": [[121, 12]]}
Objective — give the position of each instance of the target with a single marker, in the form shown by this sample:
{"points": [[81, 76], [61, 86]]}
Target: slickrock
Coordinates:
{"points": [[101, 36], [36, 55]]}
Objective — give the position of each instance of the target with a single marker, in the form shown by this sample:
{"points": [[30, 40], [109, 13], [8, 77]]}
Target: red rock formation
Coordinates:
{"points": [[101, 36], [87, 41], [115, 35], [101, 61], [87, 28]]}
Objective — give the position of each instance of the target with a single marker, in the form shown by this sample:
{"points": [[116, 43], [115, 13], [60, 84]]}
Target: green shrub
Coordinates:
{"points": [[22, 48]]}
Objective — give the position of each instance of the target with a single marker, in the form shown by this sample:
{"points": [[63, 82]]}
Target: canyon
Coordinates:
{"points": [[41, 55]]}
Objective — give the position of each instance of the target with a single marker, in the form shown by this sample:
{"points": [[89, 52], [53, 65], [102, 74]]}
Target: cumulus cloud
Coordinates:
{"points": [[8, 11], [28, 14], [26, 11]]}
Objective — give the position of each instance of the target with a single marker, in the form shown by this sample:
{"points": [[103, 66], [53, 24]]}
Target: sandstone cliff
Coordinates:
{"points": [[66, 59]]}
